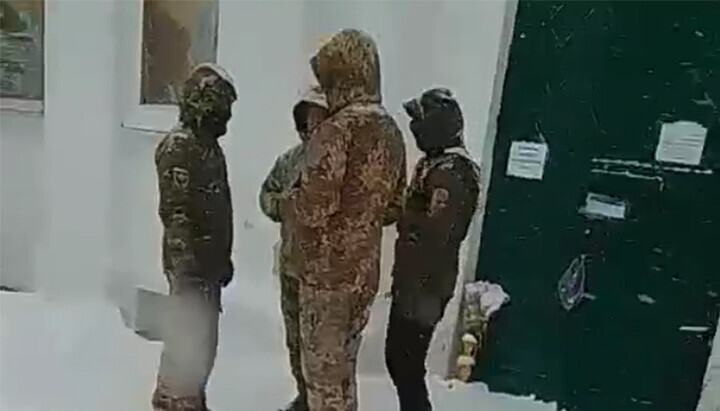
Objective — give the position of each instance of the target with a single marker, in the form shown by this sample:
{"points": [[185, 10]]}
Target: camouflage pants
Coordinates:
{"points": [[331, 324], [190, 340], [289, 303]]}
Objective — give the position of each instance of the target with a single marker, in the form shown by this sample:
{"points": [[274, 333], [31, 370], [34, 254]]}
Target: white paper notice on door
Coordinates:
{"points": [[527, 160], [681, 142], [599, 206]]}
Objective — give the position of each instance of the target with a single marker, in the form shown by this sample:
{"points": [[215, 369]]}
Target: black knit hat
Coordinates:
{"points": [[436, 120]]}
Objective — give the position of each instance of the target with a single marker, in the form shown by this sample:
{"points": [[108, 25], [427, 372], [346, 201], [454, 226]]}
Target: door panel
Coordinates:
{"points": [[596, 80]]}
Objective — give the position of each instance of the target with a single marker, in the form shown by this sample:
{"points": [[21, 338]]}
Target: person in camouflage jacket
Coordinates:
{"points": [[308, 113], [351, 183], [439, 206], [196, 213]]}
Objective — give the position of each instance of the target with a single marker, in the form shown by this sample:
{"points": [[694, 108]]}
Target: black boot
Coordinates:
{"points": [[298, 404]]}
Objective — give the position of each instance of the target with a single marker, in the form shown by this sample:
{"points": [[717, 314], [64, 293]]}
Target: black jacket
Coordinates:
{"points": [[439, 206]]}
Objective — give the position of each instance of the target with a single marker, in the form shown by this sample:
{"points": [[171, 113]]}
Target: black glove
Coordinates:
{"points": [[227, 274]]}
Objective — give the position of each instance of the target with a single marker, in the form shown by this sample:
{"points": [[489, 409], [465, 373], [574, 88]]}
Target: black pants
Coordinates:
{"points": [[406, 346], [290, 306]]}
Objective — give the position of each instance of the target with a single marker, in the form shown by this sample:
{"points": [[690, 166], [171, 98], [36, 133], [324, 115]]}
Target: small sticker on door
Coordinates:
{"points": [[571, 287], [527, 160], [681, 142], [600, 206]]}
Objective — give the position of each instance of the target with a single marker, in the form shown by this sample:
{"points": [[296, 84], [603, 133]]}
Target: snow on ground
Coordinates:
{"points": [[60, 355]]}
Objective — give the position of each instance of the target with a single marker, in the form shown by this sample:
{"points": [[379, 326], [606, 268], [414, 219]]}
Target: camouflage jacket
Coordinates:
{"points": [[353, 175], [195, 207], [439, 206], [273, 195]]}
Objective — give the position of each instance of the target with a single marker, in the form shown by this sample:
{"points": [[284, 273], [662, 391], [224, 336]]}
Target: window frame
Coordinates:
{"points": [[30, 106], [152, 118]]}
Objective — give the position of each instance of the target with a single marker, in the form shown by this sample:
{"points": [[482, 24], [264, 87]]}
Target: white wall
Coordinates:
{"points": [[21, 199], [96, 179], [55, 167]]}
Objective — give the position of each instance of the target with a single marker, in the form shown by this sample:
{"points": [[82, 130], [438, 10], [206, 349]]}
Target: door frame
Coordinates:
{"points": [[469, 252]]}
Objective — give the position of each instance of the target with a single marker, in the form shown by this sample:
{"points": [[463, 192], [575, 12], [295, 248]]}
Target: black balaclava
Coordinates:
{"points": [[436, 121], [313, 97], [300, 117]]}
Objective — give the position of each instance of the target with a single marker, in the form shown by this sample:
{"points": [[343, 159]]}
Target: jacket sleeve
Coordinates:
{"points": [[177, 180], [446, 196], [395, 206], [271, 192], [321, 179]]}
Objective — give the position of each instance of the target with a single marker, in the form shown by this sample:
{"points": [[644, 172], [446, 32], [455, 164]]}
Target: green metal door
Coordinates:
{"points": [[596, 81]]}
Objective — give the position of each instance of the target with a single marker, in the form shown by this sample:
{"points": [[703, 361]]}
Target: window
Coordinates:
{"points": [[176, 35], [21, 53]]}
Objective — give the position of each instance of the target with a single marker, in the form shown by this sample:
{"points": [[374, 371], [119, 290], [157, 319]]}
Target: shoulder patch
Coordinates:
{"points": [[438, 201], [180, 177]]}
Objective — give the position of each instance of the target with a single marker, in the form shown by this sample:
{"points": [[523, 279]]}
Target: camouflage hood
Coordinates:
{"points": [[348, 69], [313, 96], [206, 101]]}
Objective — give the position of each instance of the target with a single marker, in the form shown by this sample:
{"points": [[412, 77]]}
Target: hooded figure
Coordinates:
{"points": [[350, 185], [308, 113], [439, 205], [196, 213]]}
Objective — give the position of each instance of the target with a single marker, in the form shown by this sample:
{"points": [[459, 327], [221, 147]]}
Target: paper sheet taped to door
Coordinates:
{"points": [[681, 142], [527, 160], [599, 206]]}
